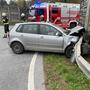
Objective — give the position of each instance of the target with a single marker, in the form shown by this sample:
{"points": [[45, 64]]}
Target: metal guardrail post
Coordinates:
{"points": [[82, 63]]}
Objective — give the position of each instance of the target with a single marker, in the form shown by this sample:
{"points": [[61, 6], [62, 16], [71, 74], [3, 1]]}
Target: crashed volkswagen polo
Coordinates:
{"points": [[42, 36]]}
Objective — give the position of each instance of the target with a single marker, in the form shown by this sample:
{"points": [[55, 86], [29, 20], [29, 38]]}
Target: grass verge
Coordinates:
{"points": [[61, 74]]}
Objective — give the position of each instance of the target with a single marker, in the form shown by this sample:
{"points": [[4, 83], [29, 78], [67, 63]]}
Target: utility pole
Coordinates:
{"points": [[87, 15]]}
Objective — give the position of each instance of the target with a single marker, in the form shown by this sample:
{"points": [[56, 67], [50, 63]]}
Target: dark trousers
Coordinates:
{"points": [[6, 28]]}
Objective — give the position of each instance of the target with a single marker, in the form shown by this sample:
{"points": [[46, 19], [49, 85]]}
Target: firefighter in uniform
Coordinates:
{"points": [[42, 18], [23, 17], [6, 25], [33, 19]]}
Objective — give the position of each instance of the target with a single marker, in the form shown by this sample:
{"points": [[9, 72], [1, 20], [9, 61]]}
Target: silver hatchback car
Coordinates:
{"points": [[41, 36]]}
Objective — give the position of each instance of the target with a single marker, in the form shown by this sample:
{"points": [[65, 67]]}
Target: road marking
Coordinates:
{"points": [[31, 73]]}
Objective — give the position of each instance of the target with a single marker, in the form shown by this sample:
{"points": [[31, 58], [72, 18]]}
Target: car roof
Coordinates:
{"points": [[48, 23]]}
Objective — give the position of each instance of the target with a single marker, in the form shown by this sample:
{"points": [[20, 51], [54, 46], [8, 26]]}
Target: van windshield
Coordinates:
{"points": [[40, 12]]}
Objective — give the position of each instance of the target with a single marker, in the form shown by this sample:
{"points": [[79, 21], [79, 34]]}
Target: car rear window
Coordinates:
{"points": [[27, 28], [19, 28], [30, 28]]}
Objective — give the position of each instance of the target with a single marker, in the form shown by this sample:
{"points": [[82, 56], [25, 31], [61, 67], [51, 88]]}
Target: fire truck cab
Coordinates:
{"points": [[38, 10], [63, 14]]}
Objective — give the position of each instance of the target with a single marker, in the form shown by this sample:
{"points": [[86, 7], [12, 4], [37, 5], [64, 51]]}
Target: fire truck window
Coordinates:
{"points": [[54, 10], [40, 12]]}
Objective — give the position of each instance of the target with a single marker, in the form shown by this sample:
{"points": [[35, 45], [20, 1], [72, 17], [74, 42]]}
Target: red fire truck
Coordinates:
{"points": [[63, 14]]}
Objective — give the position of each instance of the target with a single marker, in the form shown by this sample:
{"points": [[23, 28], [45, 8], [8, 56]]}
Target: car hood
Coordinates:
{"points": [[77, 29]]}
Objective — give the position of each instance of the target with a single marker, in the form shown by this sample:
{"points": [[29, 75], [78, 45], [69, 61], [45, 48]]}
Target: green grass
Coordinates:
{"points": [[61, 74]]}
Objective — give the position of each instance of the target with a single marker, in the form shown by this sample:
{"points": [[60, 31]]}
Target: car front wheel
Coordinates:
{"points": [[69, 51], [17, 47]]}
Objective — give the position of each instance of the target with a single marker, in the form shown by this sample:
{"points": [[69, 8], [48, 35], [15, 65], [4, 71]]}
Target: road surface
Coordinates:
{"points": [[16, 70]]}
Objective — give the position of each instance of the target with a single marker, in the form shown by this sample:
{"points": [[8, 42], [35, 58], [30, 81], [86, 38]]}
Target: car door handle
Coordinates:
{"points": [[22, 35], [41, 37]]}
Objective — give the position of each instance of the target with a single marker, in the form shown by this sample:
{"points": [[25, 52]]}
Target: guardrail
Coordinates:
{"points": [[82, 63]]}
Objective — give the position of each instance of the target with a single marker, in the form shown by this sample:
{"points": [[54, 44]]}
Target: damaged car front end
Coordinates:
{"points": [[74, 36], [80, 32]]}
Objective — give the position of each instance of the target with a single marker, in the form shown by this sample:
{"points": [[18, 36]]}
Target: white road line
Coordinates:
{"points": [[31, 73]]}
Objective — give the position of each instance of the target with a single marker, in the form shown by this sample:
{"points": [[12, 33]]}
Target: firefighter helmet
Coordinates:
{"points": [[22, 15], [4, 14]]}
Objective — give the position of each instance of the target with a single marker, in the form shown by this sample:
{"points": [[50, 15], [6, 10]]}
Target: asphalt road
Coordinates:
{"points": [[14, 69]]}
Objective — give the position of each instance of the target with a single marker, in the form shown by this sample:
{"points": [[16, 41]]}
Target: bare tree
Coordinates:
{"points": [[3, 3]]}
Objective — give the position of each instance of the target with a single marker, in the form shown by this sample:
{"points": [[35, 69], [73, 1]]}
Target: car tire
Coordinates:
{"points": [[17, 47], [69, 51]]}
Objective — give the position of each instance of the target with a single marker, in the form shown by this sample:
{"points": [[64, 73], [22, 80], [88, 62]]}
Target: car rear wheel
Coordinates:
{"points": [[17, 47], [69, 51]]}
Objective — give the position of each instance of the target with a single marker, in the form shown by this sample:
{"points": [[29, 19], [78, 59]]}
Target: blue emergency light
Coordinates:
{"points": [[37, 2]]}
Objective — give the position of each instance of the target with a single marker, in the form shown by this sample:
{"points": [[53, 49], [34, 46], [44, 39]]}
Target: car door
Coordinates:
{"points": [[29, 36], [50, 39]]}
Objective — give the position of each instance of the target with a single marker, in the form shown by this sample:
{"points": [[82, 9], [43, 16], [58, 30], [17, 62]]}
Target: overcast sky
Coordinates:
{"points": [[9, 1]]}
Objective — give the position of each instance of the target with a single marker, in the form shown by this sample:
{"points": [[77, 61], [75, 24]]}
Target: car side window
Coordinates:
{"points": [[29, 28], [49, 30], [19, 29]]}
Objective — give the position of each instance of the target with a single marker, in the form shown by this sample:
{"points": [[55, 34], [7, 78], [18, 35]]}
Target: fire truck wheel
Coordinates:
{"points": [[73, 24], [69, 51]]}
